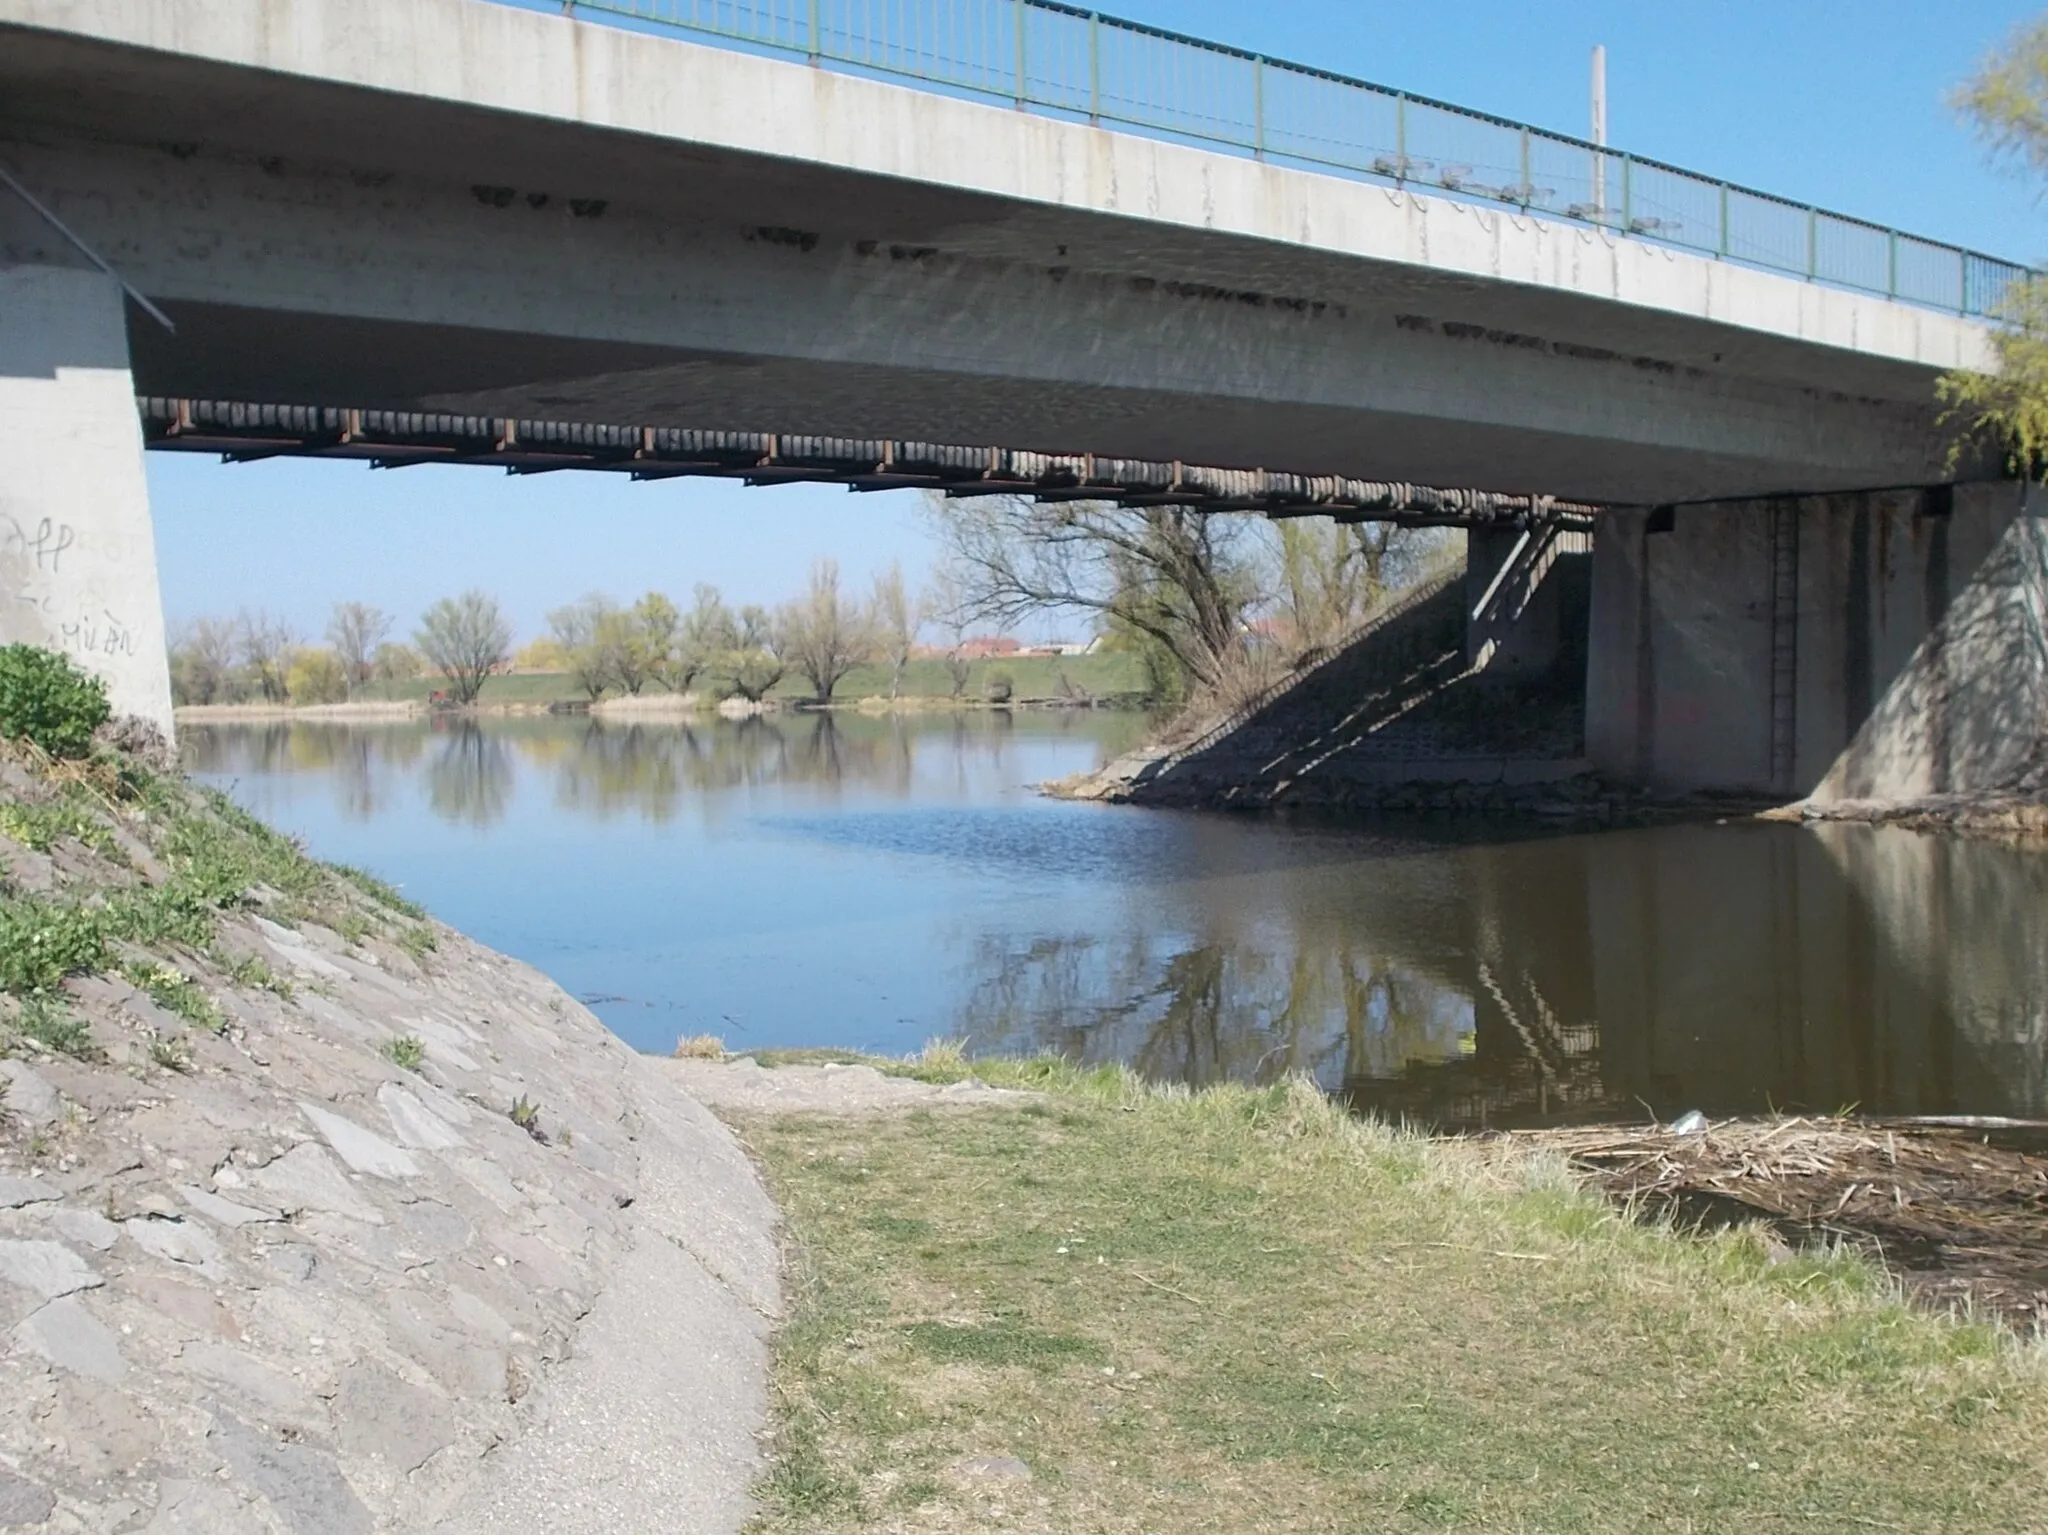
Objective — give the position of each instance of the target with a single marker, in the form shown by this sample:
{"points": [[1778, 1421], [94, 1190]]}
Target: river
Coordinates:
{"points": [[871, 882]]}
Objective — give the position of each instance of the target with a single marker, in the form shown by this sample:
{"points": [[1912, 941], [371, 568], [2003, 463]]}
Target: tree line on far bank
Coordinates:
{"points": [[1211, 606], [607, 648]]}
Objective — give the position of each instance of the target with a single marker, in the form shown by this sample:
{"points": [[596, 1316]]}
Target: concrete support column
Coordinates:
{"points": [[1883, 645], [77, 551]]}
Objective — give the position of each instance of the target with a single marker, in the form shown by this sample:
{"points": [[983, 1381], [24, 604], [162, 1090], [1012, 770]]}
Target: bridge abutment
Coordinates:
{"points": [[77, 549], [1525, 600], [1879, 645]]}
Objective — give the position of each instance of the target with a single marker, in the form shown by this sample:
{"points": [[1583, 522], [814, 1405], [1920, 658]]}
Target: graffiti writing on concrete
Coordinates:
{"points": [[31, 555], [43, 549]]}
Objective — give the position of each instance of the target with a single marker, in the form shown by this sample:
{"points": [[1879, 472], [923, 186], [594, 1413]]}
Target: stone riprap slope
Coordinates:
{"points": [[1394, 717], [275, 1255]]}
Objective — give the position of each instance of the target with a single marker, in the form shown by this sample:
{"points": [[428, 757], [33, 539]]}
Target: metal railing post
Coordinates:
{"points": [[1628, 193], [1962, 282], [1095, 66], [1401, 138], [1891, 263], [1023, 87], [1812, 243], [1722, 251], [814, 31], [1528, 179], [1258, 108]]}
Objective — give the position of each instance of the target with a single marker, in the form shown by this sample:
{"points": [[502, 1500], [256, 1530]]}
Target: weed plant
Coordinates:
{"points": [[408, 1051], [176, 992], [52, 1025]]}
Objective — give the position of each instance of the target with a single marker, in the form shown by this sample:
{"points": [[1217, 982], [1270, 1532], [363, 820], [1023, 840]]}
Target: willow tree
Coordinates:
{"points": [[2007, 102]]}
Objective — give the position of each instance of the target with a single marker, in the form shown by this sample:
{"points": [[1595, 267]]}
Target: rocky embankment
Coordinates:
{"points": [[317, 1217]]}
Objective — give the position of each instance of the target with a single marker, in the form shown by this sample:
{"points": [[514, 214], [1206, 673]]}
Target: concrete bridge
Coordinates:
{"points": [[462, 207]]}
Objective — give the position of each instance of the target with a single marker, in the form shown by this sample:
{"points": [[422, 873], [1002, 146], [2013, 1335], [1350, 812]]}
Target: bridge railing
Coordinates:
{"points": [[1044, 56]]}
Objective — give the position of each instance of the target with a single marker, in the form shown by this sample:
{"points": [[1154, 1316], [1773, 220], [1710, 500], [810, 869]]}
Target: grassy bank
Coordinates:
{"points": [[1241, 1311], [117, 871]]}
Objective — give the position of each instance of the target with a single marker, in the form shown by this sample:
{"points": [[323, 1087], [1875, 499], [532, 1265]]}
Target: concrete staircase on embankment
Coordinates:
{"points": [[1394, 714]]}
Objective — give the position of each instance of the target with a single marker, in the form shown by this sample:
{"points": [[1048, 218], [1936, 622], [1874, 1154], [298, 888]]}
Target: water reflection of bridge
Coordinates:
{"points": [[1737, 969]]}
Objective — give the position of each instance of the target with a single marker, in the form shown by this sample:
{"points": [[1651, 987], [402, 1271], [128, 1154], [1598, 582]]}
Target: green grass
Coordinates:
{"points": [[1242, 1311], [383, 893], [407, 1051], [38, 827]]}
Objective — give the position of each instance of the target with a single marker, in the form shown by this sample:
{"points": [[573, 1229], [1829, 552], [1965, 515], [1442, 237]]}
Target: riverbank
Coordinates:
{"points": [[1115, 1308], [2019, 815], [317, 1216], [1104, 678]]}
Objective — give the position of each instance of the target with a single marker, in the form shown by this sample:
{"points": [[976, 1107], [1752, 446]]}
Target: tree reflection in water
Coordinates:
{"points": [[469, 778], [1463, 976]]}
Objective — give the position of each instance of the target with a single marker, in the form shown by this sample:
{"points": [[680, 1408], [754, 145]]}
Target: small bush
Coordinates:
{"points": [[418, 941], [700, 1047], [42, 941], [45, 698], [999, 688], [408, 1051]]}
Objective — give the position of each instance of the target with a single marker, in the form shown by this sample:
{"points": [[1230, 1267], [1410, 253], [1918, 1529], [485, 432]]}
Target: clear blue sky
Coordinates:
{"points": [[1836, 102]]}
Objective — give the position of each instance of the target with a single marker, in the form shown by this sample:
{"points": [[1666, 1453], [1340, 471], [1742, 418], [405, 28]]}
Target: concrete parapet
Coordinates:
{"points": [[1883, 645], [77, 552]]}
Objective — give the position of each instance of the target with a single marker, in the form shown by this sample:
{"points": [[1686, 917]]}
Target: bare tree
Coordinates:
{"points": [[394, 662], [465, 638], [203, 662], [896, 622], [577, 629], [654, 639], [755, 662], [947, 605], [823, 633], [265, 642], [703, 635], [355, 631], [1173, 583]]}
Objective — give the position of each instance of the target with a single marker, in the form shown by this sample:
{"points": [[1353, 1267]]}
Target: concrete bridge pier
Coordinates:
{"points": [[1876, 645], [77, 551]]}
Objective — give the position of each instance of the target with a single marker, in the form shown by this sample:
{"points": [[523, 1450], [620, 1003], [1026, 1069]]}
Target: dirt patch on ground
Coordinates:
{"points": [[1958, 1213], [746, 1086]]}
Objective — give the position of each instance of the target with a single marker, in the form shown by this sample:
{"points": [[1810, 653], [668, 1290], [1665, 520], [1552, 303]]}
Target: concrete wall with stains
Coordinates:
{"points": [[77, 552], [1896, 649]]}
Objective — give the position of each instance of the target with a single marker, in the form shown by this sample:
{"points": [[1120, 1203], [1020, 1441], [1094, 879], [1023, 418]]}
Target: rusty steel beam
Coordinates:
{"points": [[243, 432]]}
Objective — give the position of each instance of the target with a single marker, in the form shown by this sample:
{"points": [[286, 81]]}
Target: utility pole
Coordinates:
{"points": [[1600, 129]]}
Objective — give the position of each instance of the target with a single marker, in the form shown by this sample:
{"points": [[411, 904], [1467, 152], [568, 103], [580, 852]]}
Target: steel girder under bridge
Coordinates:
{"points": [[243, 432]]}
